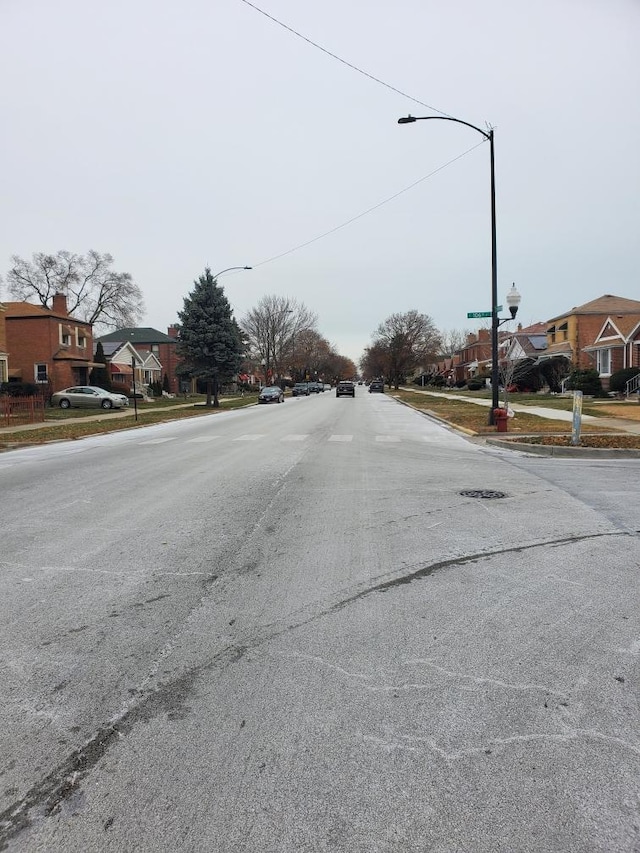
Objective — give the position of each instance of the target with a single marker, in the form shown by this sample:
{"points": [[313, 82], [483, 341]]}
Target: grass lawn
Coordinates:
{"points": [[599, 407], [68, 427], [475, 418]]}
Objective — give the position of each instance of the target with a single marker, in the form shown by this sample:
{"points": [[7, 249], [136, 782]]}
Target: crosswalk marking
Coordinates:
{"points": [[300, 437]]}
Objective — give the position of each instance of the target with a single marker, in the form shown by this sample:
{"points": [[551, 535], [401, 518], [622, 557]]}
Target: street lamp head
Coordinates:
{"points": [[513, 301], [407, 120], [247, 268]]}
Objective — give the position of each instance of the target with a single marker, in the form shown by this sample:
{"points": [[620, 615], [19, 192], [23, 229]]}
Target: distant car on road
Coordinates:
{"points": [[300, 389], [346, 389], [271, 394], [376, 387], [316, 387], [88, 397]]}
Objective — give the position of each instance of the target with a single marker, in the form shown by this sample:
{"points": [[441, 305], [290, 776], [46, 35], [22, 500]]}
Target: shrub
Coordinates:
{"points": [[619, 379], [476, 384], [22, 389], [588, 381]]}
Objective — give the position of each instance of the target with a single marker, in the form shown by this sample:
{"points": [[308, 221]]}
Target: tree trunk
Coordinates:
{"points": [[216, 402], [209, 384]]}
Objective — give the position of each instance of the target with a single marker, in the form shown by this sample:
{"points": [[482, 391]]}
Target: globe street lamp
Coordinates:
{"points": [[488, 134]]}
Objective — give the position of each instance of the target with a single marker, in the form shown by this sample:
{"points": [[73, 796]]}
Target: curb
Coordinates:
{"points": [[536, 449], [432, 416], [566, 452]]}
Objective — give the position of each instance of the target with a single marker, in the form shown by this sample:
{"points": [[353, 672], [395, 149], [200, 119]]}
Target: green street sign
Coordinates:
{"points": [[473, 314]]}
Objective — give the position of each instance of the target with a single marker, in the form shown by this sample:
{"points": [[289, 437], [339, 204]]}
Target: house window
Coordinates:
{"points": [[155, 348], [603, 362], [81, 339], [562, 331], [4, 370], [65, 339], [40, 372]]}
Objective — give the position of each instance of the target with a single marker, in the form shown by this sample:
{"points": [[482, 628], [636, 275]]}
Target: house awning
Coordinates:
{"points": [[611, 345], [120, 368]]}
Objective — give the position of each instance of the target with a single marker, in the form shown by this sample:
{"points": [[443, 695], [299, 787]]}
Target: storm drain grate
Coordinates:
{"points": [[487, 494]]}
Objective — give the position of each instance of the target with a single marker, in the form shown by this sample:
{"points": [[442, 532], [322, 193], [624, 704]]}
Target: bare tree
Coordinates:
{"points": [[95, 292], [272, 328], [409, 339], [451, 340]]}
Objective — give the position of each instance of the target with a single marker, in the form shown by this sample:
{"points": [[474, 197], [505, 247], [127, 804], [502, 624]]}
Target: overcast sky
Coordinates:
{"points": [[176, 135]]}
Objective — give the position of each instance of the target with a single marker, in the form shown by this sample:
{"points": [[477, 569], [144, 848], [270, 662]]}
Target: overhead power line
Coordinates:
{"points": [[343, 61], [370, 209]]}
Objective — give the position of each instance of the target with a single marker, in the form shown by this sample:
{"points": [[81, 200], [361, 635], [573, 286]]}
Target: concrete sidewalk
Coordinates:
{"points": [[621, 424]]}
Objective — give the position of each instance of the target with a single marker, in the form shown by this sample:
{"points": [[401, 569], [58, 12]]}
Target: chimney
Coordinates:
{"points": [[59, 304], [519, 327], [172, 331]]}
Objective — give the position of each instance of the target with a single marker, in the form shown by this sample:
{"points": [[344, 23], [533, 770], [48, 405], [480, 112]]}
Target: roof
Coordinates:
{"points": [[27, 309], [606, 304], [534, 329], [140, 335]]}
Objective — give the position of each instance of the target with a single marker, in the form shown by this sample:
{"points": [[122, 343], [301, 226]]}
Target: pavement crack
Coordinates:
{"points": [[461, 560], [417, 744]]}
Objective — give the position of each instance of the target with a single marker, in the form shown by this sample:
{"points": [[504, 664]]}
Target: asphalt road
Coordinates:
{"points": [[284, 629]]}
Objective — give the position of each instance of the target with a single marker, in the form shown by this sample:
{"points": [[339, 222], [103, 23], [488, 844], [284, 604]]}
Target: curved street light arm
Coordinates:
{"points": [[411, 119], [228, 269]]}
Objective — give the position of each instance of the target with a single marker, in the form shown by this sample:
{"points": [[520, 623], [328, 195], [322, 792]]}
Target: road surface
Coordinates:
{"points": [[285, 629]]}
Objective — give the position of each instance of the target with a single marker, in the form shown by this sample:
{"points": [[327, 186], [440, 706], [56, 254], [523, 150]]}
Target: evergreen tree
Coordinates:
{"points": [[210, 342], [100, 376], [165, 384]]}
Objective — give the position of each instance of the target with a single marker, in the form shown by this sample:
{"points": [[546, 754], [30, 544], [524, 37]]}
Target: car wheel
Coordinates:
{"points": [[106, 404], [65, 404]]}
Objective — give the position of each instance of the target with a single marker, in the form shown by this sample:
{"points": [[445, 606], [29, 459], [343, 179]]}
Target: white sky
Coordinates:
{"points": [[182, 134]]}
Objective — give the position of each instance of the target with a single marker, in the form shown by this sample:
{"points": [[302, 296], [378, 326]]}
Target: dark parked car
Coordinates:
{"points": [[316, 387], [88, 397], [272, 394], [376, 387], [346, 389], [300, 389]]}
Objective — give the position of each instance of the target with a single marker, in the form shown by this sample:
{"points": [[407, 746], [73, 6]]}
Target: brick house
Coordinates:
{"points": [[123, 358], [4, 355], [603, 334], [162, 346], [525, 343], [47, 345]]}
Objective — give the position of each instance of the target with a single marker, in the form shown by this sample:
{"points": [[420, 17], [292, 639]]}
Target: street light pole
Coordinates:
{"points": [[488, 135]]}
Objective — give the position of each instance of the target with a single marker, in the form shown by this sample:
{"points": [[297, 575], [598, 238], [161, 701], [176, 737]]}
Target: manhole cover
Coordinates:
{"points": [[487, 494]]}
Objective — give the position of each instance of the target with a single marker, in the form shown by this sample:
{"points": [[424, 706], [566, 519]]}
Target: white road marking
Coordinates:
{"points": [[202, 438], [341, 438], [387, 438], [295, 437], [249, 437], [158, 440]]}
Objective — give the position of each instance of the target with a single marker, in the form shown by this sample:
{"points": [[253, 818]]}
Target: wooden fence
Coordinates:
{"points": [[15, 411]]}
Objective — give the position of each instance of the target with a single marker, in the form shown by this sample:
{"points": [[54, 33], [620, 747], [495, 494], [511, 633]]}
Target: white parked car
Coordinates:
{"points": [[88, 396]]}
